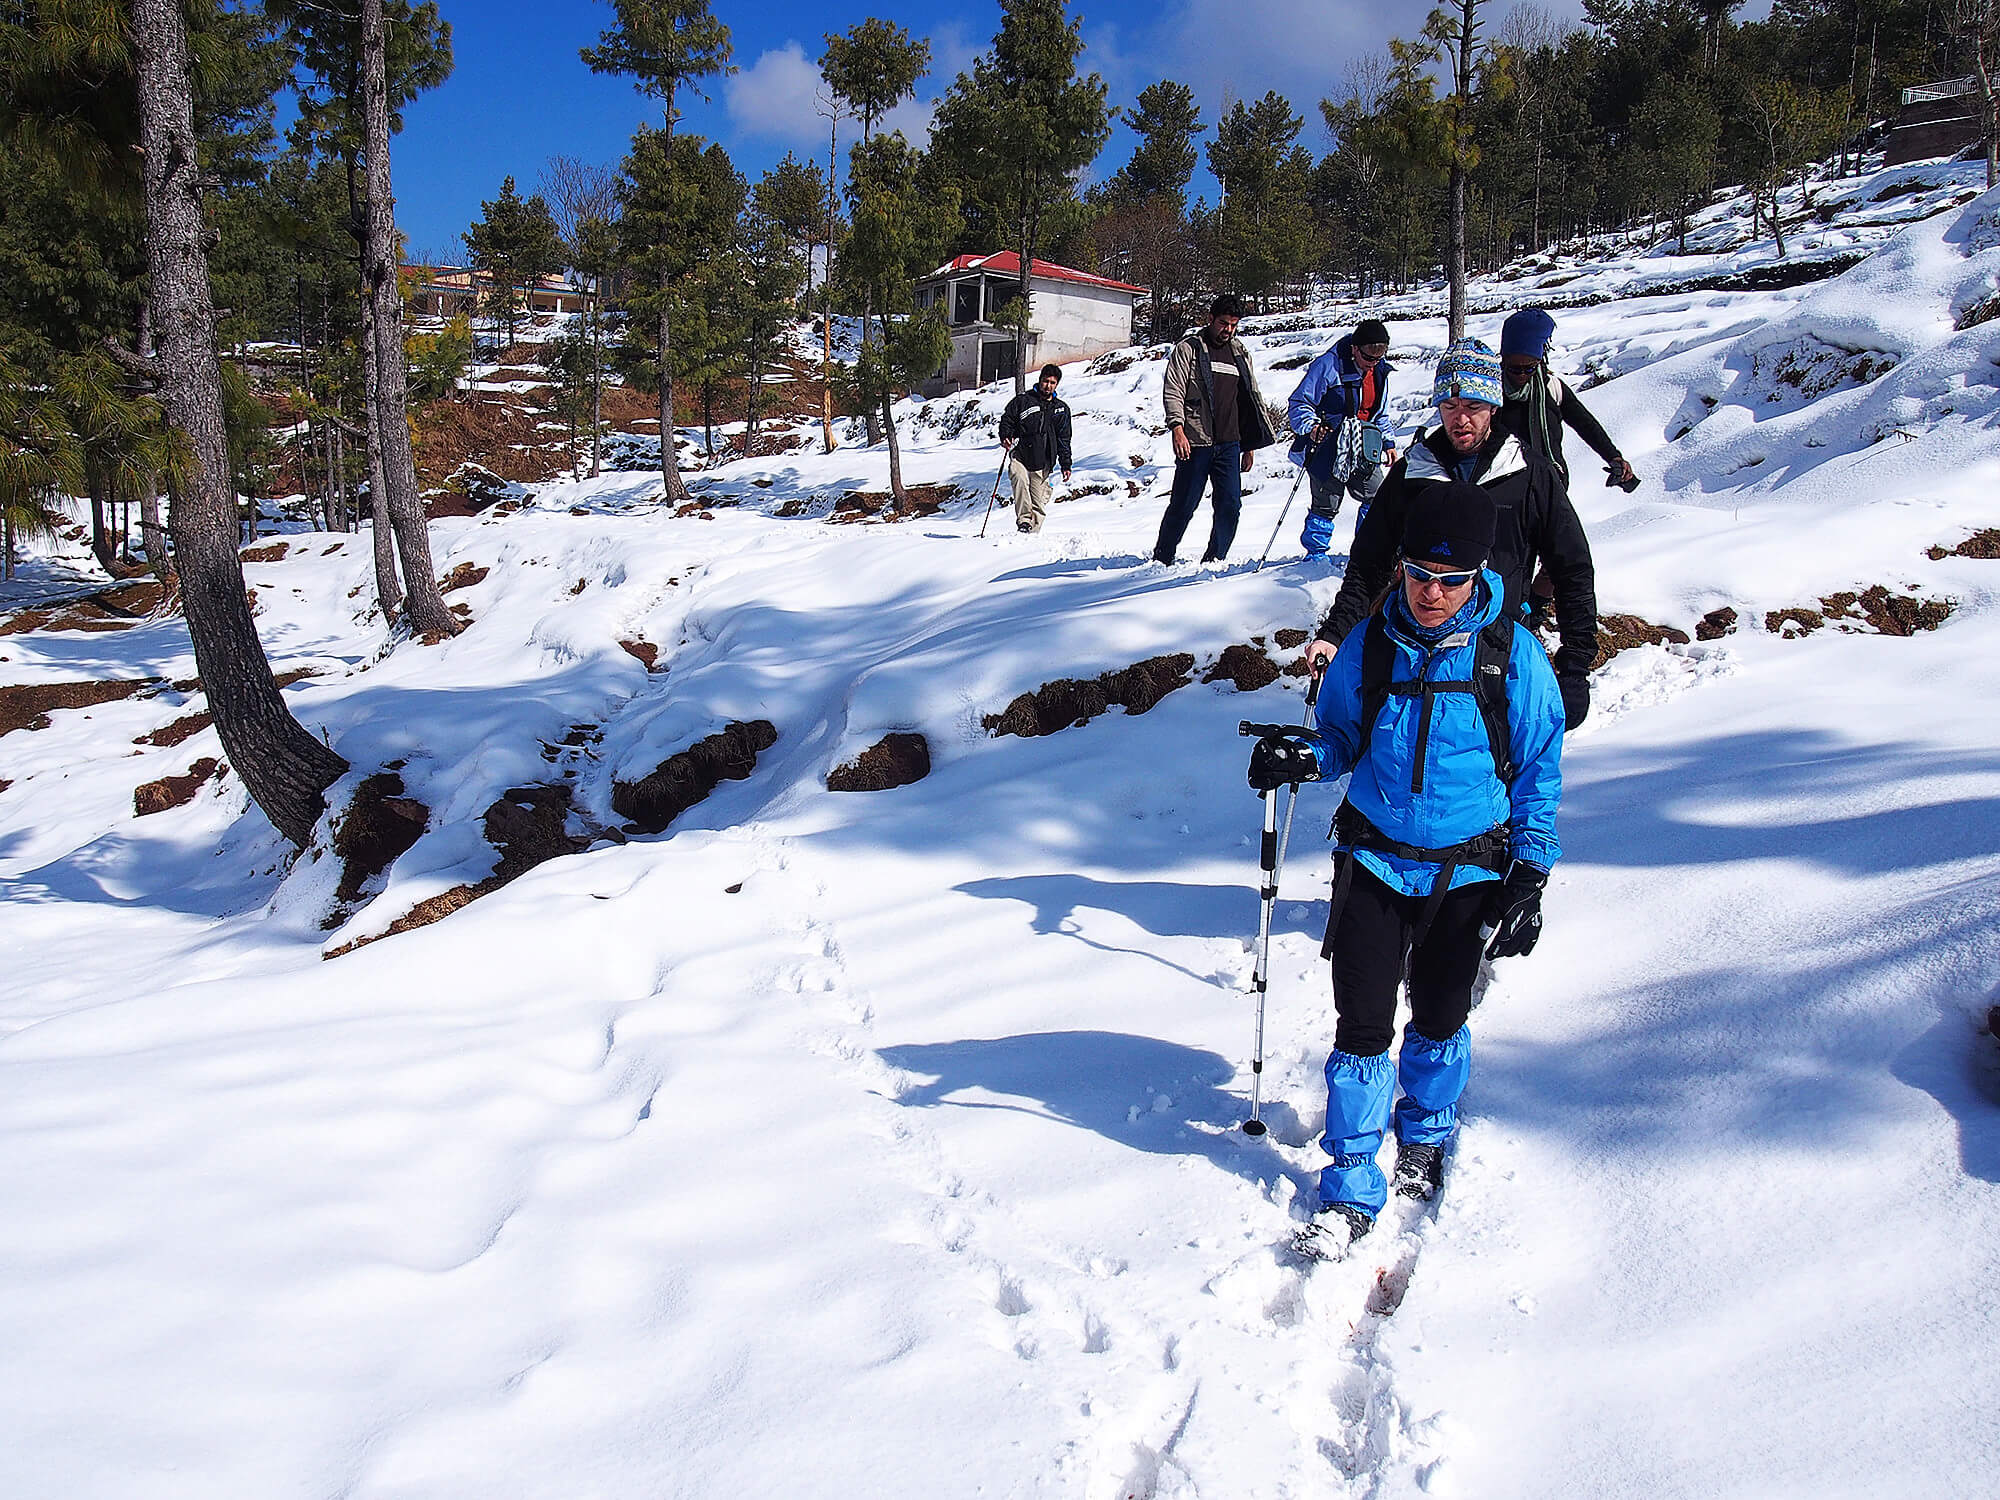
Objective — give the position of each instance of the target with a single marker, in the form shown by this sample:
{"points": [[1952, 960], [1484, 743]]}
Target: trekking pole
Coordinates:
{"points": [[996, 492], [1289, 498], [1271, 859]]}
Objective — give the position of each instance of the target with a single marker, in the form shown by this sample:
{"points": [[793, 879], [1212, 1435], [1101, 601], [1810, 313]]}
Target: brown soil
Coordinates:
{"points": [[117, 608], [645, 651], [379, 826], [681, 781], [1069, 701], [271, 552], [1616, 633], [1874, 609], [174, 791], [1291, 640], [178, 732], [464, 576], [895, 760], [526, 826], [867, 505], [1715, 624], [498, 434], [1981, 544], [1245, 666], [28, 707]]}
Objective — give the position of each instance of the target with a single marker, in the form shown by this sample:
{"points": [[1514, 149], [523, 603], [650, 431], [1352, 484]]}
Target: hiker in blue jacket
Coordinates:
{"points": [[1341, 391], [1444, 840]]}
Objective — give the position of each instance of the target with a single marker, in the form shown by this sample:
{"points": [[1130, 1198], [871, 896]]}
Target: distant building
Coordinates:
{"points": [[1938, 119], [447, 291], [1072, 315]]}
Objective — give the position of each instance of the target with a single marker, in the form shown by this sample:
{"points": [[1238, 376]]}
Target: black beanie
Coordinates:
{"points": [[1450, 524], [1371, 331]]}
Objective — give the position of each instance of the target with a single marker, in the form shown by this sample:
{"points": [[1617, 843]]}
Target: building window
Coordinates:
{"points": [[964, 302], [996, 360], [997, 294]]}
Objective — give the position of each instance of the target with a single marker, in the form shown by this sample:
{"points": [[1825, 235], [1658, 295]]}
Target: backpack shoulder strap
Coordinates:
{"points": [[1489, 685], [1378, 664]]}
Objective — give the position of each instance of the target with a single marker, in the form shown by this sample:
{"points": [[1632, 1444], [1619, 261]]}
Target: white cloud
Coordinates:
{"points": [[775, 97]]}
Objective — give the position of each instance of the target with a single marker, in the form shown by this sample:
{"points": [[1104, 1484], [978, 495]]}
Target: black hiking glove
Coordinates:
{"points": [[1516, 913], [1575, 690], [1280, 760]]}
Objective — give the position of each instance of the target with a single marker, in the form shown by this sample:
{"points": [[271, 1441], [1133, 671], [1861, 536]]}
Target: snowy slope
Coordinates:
{"points": [[884, 1143]]}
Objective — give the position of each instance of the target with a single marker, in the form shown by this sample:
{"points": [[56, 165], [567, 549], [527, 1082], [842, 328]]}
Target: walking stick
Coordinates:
{"points": [[1271, 860], [996, 492], [1289, 498]]}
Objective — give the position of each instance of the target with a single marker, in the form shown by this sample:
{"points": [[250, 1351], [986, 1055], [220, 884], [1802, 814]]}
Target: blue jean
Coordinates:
{"points": [[1222, 463]]}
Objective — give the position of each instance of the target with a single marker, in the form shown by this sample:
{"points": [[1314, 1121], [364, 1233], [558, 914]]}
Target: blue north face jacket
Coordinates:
{"points": [[1329, 390], [1462, 795]]}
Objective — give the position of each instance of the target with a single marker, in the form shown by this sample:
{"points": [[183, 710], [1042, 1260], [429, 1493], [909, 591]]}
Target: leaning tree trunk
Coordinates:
{"points": [[899, 499], [388, 591], [286, 770], [423, 605]]}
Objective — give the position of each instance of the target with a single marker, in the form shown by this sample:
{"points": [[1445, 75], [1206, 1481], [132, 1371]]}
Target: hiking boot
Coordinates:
{"points": [[1331, 1231], [1419, 1171]]}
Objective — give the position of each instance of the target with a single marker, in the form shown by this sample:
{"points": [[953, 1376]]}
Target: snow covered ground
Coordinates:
{"points": [[844, 1144]]}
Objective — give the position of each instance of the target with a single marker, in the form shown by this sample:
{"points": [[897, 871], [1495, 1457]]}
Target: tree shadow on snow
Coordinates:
{"points": [[1142, 1092]]}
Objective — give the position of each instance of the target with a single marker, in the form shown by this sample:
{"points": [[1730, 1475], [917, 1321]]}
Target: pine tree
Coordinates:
{"points": [[666, 45], [285, 768], [1166, 120], [1265, 231], [515, 242], [584, 197], [1017, 129]]}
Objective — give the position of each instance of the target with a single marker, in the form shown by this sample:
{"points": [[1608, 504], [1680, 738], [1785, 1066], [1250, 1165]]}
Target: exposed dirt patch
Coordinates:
{"points": [[180, 731], [28, 707], [894, 760], [269, 552], [1981, 544], [865, 505], [116, 608], [1069, 701], [378, 827], [4, 785], [175, 791], [527, 826], [1245, 666], [1715, 624], [1617, 633], [1983, 311], [682, 780], [499, 434], [647, 653], [1872, 610], [1290, 640], [464, 576]]}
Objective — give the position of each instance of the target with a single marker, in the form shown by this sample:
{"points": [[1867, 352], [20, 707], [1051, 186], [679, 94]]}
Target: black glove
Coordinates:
{"points": [[1282, 759], [1517, 911], [1619, 473], [1575, 690]]}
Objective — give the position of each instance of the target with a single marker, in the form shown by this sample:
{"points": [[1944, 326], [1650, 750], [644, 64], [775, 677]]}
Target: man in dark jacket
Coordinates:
{"points": [[1034, 429], [1537, 523], [1340, 392], [1218, 422], [1539, 405]]}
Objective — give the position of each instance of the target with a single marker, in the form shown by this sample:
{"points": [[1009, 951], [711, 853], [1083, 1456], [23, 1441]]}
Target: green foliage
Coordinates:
{"points": [[873, 67], [438, 361], [1166, 122], [514, 242], [664, 45], [325, 44], [1264, 229]]}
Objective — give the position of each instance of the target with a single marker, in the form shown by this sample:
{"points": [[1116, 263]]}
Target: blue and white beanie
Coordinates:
{"points": [[1468, 371]]}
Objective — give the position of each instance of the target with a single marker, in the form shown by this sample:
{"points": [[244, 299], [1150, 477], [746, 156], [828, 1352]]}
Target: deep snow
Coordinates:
{"points": [[856, 1144]]}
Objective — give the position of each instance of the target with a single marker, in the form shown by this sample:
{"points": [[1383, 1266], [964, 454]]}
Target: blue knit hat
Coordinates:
{"points": [[1470, 371], [1527, 332]]}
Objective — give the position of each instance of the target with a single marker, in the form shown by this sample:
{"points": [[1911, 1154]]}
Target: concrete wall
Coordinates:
{"points": [[1067, 321]]}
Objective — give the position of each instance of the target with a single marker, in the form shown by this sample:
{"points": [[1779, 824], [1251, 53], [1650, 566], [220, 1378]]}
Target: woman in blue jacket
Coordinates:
{"points": [[1448, 828]]}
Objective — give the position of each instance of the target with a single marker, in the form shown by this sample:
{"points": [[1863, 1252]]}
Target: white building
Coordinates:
{"points": [[1071, 315]]}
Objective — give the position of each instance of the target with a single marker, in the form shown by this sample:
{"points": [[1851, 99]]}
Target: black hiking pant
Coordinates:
{"points": [[1370, 941]]}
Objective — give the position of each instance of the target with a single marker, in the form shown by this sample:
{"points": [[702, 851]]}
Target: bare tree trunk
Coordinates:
{"points": [[424, 606], [286, 770], [597, 376], [388, 590], [672, 488], [826, 289], [898, 497], [869, 417]]}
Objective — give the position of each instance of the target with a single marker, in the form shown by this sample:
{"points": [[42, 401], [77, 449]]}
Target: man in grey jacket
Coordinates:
{"points": [[1217, 418]]}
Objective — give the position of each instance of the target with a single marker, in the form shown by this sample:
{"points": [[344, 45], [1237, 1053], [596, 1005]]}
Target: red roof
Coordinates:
{"points": [[1008, 263]]}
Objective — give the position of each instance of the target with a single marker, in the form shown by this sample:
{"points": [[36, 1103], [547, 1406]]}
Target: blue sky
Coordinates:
{"points": [[520, 95]]}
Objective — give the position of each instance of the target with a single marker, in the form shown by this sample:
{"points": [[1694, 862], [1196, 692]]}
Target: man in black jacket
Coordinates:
{"points": [[1537, 523], [1034, 429], [1539, 405]]}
